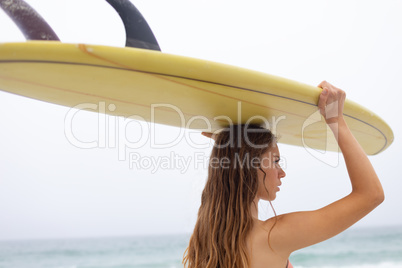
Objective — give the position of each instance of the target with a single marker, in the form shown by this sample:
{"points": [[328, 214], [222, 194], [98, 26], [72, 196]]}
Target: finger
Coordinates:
{"points": [[323, 84], [322, 102], [208, 135]]}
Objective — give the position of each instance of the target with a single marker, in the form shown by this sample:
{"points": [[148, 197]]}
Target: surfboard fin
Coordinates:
{"points": [[138, 32], [30, 23]]}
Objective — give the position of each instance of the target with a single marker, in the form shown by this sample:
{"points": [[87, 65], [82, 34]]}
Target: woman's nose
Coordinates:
{"points": [[282, 173]]}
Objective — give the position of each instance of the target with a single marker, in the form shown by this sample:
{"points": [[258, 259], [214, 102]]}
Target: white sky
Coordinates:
{"points": [[49, 188]]}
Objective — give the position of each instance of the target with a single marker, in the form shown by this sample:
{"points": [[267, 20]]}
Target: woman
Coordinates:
{"points": [[244, 169]]}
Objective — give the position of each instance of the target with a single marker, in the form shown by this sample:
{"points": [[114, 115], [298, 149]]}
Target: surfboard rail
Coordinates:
{"points": [[179, 91]]}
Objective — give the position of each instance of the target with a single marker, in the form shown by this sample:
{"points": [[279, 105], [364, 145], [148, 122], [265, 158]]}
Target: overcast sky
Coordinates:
{"points": [[49, 188]]}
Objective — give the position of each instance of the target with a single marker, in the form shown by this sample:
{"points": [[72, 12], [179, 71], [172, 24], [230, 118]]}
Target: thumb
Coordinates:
{"points": [[209, 135]]}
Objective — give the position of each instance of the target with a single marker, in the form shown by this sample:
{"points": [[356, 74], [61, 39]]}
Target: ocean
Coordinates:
{"points": [[356, 248]]}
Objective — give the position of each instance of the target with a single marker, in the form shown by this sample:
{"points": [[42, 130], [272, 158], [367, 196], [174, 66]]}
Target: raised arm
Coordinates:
{"points": [[297, 230]]}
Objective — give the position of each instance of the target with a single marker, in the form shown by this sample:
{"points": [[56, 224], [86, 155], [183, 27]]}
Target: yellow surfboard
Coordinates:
{"points": [[178, 91]]}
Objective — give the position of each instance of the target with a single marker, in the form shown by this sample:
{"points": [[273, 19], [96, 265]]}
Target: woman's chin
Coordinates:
{"points": [[271, 198]]}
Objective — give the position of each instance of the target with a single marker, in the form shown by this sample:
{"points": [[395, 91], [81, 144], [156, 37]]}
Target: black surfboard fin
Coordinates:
{"points": [[138, 32], [30, 23]]}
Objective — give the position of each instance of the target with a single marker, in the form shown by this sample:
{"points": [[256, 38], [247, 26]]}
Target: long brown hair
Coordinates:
{"points": [[224, 217]]}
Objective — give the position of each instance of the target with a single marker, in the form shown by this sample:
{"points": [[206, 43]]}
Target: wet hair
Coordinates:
{"points": [[224, 217]]}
